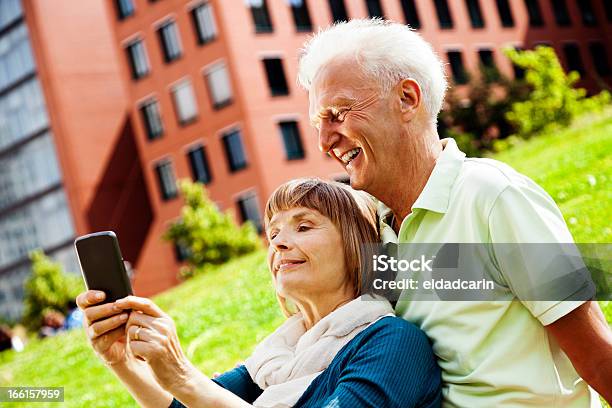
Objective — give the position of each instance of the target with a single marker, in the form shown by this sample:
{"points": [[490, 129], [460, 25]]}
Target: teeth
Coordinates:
{"points": [[348, 156]]}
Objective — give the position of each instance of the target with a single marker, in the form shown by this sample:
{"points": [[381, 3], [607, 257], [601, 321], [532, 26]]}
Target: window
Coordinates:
{"points": [[519, 73], [42, 223], [487, 65], [139, 63], [261, 17], [608, 8], [292, 140], [249, 210], [185, 102], [562, 16], [16, 60], [586, 10], [374, 8], [28, 170], [10, 10], [125, 8], [166, 180], [170, 42], [338, 10], [458, 70], [219, 86], [199, 165], [276, 76], [181, 252], [204, 23], [410, 13], [535, 14], [444, 16], [600, 58], [476, 19], [234, 151], [301, 17], [22, 113], [505, 13], [149, 111], [572, 55]]}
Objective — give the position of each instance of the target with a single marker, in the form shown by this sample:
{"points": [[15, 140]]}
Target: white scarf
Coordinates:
{"points": [[285, 363]]}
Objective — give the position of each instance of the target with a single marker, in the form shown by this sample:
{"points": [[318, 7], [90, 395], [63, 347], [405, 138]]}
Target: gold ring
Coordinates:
{"points": [[136, 333]]}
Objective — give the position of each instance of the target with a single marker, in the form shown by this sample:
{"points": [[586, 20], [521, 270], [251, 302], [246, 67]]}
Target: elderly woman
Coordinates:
{"points": [[339, 347]]}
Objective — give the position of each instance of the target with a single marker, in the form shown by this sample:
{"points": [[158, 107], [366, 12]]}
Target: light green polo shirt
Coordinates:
{"points": [[492, 353]]}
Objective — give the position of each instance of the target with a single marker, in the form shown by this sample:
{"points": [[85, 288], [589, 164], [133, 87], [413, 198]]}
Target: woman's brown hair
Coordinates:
{"points": [[352, 212]]}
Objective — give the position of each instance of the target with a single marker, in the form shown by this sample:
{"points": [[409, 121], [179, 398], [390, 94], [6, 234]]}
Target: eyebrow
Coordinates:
{"points": [[337, 101], [300, 214]]}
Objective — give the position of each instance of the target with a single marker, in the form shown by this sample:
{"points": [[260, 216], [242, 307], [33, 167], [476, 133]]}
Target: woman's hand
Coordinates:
{"points": [[152, 338], [104, 326]]}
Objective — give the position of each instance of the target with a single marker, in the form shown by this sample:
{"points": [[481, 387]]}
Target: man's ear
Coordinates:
{"points": [[410, 98]]}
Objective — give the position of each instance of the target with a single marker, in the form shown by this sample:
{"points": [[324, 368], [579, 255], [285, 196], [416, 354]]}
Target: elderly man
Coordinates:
{"points": [[375, 90]]}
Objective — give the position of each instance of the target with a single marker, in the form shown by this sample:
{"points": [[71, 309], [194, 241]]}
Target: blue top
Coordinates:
{"points": [[389, 364]]}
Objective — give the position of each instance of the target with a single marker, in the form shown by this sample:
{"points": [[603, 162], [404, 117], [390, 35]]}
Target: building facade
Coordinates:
{"points": [[104, 104]]}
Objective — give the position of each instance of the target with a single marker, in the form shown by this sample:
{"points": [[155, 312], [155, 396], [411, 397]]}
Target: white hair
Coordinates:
{"points": [[386, 51]]}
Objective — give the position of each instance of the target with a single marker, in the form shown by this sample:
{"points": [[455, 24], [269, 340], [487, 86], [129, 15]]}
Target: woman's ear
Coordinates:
{"points": [[410, 98]]}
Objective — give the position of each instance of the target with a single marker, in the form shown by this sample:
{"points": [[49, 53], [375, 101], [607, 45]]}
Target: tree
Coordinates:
{"points": [[48, 288], [553, 101], [478, 120], [207, 235]]}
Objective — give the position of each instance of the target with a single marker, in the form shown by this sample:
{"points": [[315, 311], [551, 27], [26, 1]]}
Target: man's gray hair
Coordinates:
{"points": [[386, 51]]}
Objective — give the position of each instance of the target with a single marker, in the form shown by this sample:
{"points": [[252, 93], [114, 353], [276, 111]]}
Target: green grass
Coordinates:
{"points": [[222, 314], [575, 167]]}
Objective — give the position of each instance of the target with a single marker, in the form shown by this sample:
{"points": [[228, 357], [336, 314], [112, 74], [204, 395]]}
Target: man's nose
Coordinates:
{"points": [[328, 136]]}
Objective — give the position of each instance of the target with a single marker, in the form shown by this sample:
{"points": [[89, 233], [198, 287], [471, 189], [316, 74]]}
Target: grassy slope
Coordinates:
{"points": [[222, 314], [219, 315], [575, 168]]}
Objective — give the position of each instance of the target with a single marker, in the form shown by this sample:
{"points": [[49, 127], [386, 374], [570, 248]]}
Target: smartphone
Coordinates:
{"points": [[102, 265]]}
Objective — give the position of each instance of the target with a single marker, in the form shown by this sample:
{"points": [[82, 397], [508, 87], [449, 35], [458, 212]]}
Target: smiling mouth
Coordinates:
{"points": [[288, 265], [349, 156]]}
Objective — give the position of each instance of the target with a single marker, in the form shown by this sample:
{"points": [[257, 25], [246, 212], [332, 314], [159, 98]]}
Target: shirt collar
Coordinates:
{"points": [[436, 193]]}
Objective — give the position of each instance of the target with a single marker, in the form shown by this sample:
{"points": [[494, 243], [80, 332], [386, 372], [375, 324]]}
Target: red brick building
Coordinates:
{"points": [[134, 94]]}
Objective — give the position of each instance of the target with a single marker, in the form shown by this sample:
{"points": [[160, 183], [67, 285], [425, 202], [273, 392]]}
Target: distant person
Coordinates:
{"points": [[5, 338], [74, 317], [52, 323], [339, 347]]}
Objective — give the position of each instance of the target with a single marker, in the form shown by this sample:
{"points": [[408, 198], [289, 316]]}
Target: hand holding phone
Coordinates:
{"points": [[104, 274], [102, 265]]}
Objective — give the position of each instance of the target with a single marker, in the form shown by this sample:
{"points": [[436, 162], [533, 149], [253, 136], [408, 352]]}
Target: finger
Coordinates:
{"points": [[141, 319], [141, 349], [94, 313], [90, 297], [216, 374], [139, 303], [103, 343], [145, 334], [99, 328]]}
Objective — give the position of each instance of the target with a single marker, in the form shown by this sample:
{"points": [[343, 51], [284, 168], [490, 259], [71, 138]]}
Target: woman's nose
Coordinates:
{"points": [[281, 242]]}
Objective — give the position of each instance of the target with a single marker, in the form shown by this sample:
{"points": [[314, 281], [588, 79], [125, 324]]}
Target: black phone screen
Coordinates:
{"points": [[102, 265]]}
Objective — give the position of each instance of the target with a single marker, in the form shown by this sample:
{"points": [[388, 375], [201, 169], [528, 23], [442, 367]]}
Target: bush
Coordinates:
{"points": [[208, 236], [553, 101], [477, 121], [48, 288]]}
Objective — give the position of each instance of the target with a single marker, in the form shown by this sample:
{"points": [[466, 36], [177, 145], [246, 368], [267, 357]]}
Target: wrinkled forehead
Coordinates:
{"points": [[338, 82]]}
